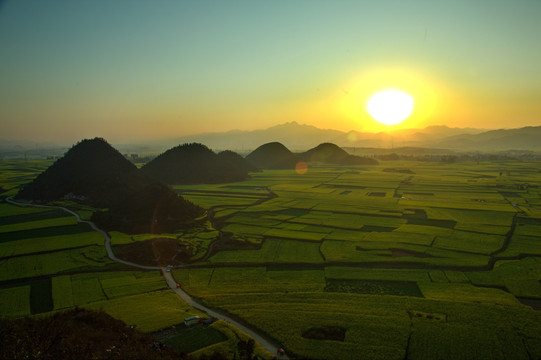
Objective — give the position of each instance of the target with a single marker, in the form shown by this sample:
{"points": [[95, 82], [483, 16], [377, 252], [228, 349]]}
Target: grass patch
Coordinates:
{"points": [[41, 299], [45, 232], [149, 312], [32, 216], [38, 224], [456, 292], [84, 259], [15, 301], [273, 251], [62, 292], [470, 242], [51, 243], [190, 339]]}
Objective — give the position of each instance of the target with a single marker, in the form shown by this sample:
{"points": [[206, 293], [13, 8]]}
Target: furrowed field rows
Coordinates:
{"points": [[7, 210], [255, 279], [443, 231], [496, 218], [481, 232], [15, 301], [38, 224], [79, 289], [213, 200], [466, 293], [149, 311], [470, 242], [520, 277], [381, 325], [522, 245], [15, 173], [43, 232], [49, 243], [81, 259], [460, 205], [31, 216], [273, 250], [402, 260]]}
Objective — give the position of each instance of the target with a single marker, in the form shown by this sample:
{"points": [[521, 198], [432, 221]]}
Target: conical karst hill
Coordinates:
{"points": [[333, 154], [232, 160], [93, 172], [196, 164], [273, 155]]}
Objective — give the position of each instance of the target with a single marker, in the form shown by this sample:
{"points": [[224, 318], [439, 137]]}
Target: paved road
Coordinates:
{"points": [[168, 278]]}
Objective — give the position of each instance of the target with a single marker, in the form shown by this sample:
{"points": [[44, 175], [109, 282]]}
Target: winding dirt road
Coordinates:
{"points": [[170, 280], [273, 349]]}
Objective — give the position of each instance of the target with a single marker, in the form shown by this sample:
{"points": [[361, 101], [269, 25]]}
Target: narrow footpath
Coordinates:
{"points": [[273, 349]]}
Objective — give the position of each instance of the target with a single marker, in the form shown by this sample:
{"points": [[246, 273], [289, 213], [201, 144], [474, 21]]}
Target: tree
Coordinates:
{"points": [[246, 349]]}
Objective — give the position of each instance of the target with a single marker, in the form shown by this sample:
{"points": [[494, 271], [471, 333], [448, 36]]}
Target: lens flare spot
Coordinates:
{"points": [[352, 137], [301, 168]]}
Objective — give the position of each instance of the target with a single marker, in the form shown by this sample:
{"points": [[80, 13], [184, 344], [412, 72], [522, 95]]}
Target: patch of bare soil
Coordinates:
{"points": [[158, 251], [533, 303], [325, 333]]}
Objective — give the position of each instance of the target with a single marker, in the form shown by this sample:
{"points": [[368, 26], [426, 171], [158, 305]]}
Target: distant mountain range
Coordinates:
{"points": [[299, 138]]}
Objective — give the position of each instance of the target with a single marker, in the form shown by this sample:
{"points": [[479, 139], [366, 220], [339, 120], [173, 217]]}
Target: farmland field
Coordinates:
{"points": [[431, 263]]}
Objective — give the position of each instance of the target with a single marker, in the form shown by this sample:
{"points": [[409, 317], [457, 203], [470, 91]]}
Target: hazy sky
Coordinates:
{"points": [[133, 70]]}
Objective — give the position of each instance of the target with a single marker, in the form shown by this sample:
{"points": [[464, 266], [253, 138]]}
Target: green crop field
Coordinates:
{"points": [[148, 311], [191, 339], [15, 301], [379, 326], [436, 262], [49, 243]]}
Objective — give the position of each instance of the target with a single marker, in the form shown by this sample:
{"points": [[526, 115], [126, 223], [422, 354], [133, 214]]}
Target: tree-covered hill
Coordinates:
{"points": [[94, 173], [333, 154], [276, 156], [195, 164], [273, 155]]}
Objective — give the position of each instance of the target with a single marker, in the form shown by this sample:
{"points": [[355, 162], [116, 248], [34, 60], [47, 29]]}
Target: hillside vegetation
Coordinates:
{"points": [[275, 155], [77, 334], [332, 154], [196, 164], [272, 155], [92, 172]]}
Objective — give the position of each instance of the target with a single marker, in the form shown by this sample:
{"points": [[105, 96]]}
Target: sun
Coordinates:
{"points": [[390, 107]]}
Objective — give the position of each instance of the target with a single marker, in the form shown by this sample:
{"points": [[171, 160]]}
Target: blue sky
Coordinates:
{"points": [[132, 70]]}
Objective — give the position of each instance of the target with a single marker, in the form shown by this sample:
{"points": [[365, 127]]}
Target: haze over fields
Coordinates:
{"points": [[136, 71], [301, 137]]}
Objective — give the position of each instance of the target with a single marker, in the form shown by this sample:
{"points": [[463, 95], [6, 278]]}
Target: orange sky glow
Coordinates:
{"points": [[136, 71]]}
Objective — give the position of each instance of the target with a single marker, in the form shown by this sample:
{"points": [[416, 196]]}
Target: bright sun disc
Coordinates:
{"points": [[390, 107]]}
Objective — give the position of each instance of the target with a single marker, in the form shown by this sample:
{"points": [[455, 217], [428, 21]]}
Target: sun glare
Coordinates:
{"points": [[390, 107], [421, 95]]}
